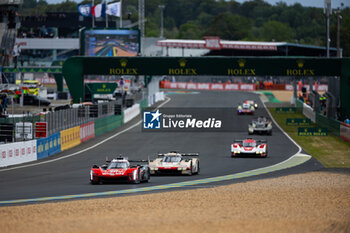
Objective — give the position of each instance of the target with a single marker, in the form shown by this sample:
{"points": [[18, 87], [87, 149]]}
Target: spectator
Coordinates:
{"points": [[347, 120]]}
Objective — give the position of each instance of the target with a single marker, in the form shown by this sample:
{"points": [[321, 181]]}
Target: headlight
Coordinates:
{"points": [[239, 107], [179, 168]]}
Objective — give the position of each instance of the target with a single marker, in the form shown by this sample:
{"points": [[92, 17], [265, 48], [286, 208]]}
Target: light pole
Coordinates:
{"points": [[339, 17], [161, 7], [328, 11]]}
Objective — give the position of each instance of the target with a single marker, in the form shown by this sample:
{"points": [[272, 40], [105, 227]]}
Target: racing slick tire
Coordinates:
{"points": [[191, 170], [146, 176], [138, 180], [94, 182], [198, 169]]}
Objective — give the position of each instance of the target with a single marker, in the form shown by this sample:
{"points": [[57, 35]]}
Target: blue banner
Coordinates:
{"points": [[48, 146]]}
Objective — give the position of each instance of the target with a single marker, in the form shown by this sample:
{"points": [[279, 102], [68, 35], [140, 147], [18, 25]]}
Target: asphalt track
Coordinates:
{"points": [[70, 176]]}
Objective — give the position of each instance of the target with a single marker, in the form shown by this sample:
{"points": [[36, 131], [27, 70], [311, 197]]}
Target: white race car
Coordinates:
{"points": [[249, 147], [245, 108], [175, 163], [252, 102]]}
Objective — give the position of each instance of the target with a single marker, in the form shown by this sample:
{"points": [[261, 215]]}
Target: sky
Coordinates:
{"points": [[312, 3]]}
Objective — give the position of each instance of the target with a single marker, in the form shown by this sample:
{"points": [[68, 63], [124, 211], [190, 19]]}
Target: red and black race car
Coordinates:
{"points": [[119, 169], [249, 147]]}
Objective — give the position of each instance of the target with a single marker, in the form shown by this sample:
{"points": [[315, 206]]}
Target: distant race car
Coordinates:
{"points": [[252, 102], [245, 108], [249, 147], [119, 169], [175, 163], [260, 125]]}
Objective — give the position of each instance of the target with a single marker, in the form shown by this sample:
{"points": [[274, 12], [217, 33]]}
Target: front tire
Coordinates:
{"points": [[94, 182]]}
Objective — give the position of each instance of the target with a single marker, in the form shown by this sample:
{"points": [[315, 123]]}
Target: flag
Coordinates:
{"points": [[99, 10], [85, 10], [114, 9]]}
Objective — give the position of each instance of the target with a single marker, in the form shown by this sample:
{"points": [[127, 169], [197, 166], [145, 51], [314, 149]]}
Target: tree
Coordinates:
{"points": [[189, 30], [276, 31], [230, 27]]}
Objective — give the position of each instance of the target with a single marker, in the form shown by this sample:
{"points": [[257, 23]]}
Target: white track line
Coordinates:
{"points": [[86, 149], [300, 149]]}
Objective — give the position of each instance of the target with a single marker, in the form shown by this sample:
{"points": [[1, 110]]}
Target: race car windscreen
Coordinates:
{"points": [[249, 144], [118, 165], [171, 159]]}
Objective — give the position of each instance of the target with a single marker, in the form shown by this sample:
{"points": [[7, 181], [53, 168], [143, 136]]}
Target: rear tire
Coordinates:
{"points": [[138, 180], [191, 170], [198, 169]]}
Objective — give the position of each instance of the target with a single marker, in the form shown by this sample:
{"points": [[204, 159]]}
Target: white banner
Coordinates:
{"points": [[131, 112], [17, 153]]}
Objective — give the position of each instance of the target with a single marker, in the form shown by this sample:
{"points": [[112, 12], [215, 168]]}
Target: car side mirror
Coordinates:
{"points": [[95, 166]]}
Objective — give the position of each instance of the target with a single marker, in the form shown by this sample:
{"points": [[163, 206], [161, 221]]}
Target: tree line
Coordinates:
{"points": [[254, 20]]}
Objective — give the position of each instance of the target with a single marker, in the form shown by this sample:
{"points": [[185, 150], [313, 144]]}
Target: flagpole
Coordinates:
{"points": [[93, 17], [121, 20], [106, 14]]}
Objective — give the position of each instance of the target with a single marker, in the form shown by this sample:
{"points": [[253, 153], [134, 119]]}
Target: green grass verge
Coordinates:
{"points": [[330, 150]]}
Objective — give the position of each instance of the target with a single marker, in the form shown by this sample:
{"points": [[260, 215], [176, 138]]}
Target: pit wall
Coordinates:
{"points": [[27, 151]]}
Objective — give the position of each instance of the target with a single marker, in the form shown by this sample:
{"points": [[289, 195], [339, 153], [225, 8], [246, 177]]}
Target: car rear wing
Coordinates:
{"points": [[182, 154], [139, 161], [190, 154], [257, 141]]}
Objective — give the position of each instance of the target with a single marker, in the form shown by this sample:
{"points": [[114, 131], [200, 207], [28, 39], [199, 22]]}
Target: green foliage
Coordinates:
{"points": [[252, 20], [230, 27], [276, 31]]}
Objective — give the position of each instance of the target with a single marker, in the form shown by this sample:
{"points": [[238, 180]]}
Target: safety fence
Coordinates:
{"points": [[333, 126], [237, 86], [209, 86], [26, 151]]}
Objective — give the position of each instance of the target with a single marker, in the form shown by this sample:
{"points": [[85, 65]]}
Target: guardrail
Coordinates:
{"points": [[332, 125], [21, 152]]}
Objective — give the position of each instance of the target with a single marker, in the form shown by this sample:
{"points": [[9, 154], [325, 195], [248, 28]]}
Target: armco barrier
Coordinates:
{"points": [[18, 152], [333, 126], [87, 131], [107, 124], [70, 138], [131, 112], [309, 112], [345, 131], [48, 146]]}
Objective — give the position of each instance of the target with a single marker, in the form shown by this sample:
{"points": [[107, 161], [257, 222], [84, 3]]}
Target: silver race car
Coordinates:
{"points": [[260, 125]]}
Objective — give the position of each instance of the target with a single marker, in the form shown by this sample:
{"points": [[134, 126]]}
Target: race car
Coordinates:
{"points": [[175, 163], [245, 108], [252, 102], [119, 169], [249, 147], [260, 125]]}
